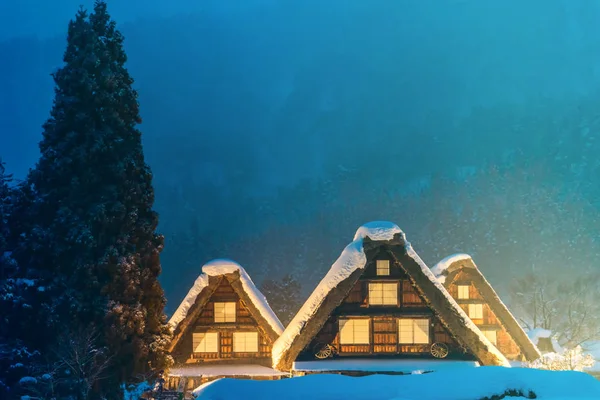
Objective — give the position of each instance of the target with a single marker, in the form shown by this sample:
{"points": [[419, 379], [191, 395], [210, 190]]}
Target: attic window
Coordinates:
{"points": [[463, 292], [225, 312], [383, 294], [205, 342], [383, 267], [245, 342], [413, 331], [476, 311], [354, 331], [491, 336]]}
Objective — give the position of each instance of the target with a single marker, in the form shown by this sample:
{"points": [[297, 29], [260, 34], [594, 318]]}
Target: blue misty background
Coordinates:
{"points": [[275, 128]]}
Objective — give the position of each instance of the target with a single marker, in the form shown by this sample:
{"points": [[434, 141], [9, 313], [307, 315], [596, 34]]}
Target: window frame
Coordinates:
{"points": [[413, 331], [205, 334], [385, 268], [367, 321], [225, 315], [245, 350], [383, 284], [459, 292], [475, 306], [487, 331]]}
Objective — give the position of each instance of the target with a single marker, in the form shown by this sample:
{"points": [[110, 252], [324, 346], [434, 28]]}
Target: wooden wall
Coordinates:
{"points": [[505, 342], [383, 320], [205, 323]]}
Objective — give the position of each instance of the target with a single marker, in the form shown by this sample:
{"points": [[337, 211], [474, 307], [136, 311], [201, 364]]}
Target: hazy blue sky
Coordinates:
{"points": [[49, 17]]}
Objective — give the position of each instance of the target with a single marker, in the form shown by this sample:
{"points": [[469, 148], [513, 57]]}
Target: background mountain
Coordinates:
{"points": [[276, 129]]}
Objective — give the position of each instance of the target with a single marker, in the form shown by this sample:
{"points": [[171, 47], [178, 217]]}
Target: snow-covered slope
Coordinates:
{"points": [[449, 384], [221, 267]]}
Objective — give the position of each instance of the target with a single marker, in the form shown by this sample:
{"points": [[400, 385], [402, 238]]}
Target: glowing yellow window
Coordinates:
{"points": [[205, 342], [413, 331], [354, 331], [383, 294], [383, 267], [225, 312], [463, 292]]}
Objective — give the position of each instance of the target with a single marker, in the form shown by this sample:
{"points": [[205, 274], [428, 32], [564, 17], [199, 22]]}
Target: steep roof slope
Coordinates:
{"points": [[344, 273], [447, 270], [204, 286]]}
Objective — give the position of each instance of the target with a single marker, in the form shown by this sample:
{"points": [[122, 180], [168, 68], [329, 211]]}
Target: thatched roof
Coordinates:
{"points": [[448, 269], [344, 273], [205, 285]]}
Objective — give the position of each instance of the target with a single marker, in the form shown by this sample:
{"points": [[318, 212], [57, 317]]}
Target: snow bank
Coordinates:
{"points": [[225, 370], [351, 259], [222, 267], [407, 366], [442, 266], [461, 314], [459, 384]]}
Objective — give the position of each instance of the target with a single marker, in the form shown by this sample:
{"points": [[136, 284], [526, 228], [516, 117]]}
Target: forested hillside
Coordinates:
{"points": [[270, 146]]}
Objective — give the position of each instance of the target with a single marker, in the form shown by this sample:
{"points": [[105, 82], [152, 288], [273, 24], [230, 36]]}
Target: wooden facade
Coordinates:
{"points": [[184, 352], [227, 332], [469, 288], [403, 306], [489, 321]]}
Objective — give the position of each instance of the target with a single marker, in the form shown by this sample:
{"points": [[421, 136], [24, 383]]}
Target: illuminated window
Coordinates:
{"points": [[383, 294], [463, 292], [383, 267], [354, 331], [476, 311], [225, 312], [413, 331], [245, 342], [491, 336], [205, 342]]}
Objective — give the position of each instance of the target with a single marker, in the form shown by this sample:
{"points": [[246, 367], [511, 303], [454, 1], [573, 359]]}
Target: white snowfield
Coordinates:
{"points": [[253, 370], [449, 384], [221, 267], [351, 259], [405, 366]]}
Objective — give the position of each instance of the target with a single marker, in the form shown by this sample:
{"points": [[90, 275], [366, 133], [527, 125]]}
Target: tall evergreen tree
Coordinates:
{"points": [[93, 244]]}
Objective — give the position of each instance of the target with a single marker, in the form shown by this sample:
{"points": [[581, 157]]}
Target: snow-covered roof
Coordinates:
{"points": [[353, 258], [458, 309], [441, 267], [222, 267], [224, 370]]}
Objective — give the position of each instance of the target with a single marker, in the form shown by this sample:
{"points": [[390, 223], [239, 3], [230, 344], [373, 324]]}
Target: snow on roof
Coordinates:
{"points": [[406, 366], [449, 384], [537, 333], [221, 267], [442, 266], [351, 259], [461, 314], [225, 370]]}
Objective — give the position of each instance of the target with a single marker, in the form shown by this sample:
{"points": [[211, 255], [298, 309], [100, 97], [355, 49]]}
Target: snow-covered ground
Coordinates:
{"points": [[459, 384], [406, 366]]}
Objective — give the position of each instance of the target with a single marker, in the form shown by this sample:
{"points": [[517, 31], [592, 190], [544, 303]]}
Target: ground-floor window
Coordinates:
{"points": [[207, 342], [355, 331], [413, 331], [491, 336], [245, 342]]}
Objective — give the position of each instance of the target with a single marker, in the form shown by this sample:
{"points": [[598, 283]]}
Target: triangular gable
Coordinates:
{"points": [[344, 273], [449, 269], [205, 285]]}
